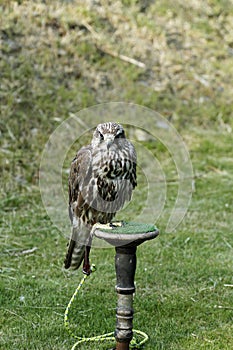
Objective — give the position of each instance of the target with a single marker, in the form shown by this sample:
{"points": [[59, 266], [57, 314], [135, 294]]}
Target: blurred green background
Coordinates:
{"points": [[58, 57]]}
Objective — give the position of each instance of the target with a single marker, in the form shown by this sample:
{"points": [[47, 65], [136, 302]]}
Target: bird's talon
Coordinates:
{"points": [[116, 224]]}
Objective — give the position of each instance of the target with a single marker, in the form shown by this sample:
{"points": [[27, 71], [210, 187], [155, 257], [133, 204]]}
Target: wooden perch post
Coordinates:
{"points": [[125, 243]]}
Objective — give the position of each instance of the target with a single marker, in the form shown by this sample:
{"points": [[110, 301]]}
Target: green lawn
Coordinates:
{"points": [[55, 61]]}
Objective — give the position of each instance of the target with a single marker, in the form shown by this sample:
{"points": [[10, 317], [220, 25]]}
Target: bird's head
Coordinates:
{"points": [[105, 134]]}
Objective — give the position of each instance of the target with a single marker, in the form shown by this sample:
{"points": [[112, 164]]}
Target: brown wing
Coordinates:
{"points": [[79, 175], [80, 172], [130, 166], [129, 169], [133, 170]]}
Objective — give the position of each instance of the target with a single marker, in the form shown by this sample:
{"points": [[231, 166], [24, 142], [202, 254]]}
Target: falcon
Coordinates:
{"points": [[101, 180]]}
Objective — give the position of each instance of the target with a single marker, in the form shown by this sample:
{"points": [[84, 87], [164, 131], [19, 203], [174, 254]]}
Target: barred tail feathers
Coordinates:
{"points": [[76, 247], [74, 255]]}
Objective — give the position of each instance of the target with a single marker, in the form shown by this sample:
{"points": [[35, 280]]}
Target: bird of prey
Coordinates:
{"points": [[102, 177]]}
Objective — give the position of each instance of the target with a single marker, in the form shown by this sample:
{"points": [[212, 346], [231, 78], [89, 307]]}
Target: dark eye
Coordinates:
{"points": [[120, 135], [101, 136]]}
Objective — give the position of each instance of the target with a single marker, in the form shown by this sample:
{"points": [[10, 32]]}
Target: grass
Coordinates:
{"points": [[52, 65]]}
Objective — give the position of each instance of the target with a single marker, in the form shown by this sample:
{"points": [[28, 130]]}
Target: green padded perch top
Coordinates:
{"points": [[126, 233]]}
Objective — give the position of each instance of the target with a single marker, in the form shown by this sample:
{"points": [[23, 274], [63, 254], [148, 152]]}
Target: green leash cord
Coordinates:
{"points": [[99, 338]]}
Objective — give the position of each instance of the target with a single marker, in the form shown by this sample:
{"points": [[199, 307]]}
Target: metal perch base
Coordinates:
{"points": [[126, 238]]}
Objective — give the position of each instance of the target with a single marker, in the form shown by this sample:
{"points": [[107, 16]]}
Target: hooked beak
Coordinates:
{"points": [[108, 138]]}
